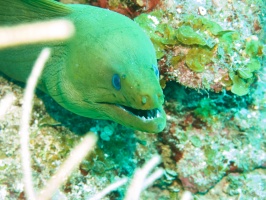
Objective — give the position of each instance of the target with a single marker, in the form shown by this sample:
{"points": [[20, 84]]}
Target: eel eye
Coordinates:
{"points": [[116, 82], [156, 71]]}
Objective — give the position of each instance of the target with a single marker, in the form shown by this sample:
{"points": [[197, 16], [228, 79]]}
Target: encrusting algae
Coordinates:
{"points": [[223, 59]]}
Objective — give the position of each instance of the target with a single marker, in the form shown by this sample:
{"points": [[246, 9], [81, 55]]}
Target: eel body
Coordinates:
{"points": [[108, 70]]}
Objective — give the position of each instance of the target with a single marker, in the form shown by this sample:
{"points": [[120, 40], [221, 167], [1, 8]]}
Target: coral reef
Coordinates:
{"points": [[210, 141], [212, 63], [197, 52]]}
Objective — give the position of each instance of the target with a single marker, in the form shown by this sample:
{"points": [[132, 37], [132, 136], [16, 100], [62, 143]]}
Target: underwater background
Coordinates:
{"points": [[211, 57]]}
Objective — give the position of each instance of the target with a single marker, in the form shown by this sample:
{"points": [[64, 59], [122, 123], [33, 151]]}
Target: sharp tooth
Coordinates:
{"points": [[143, 118], [157, 113]]}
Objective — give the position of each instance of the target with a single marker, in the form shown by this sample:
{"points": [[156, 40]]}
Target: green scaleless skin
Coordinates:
{"points": [[79, 75]]}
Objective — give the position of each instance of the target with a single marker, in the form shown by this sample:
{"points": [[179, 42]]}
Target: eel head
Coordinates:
{"points": [[112, 74]]}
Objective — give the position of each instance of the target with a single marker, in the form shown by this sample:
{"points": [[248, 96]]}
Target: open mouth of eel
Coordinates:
{"points": [[142, 114], [151, 120]]}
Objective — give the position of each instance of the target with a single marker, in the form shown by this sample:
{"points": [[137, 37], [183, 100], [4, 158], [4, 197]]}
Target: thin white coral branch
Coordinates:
{"points": [[140, 180], [39, 32], [25, 119], [153, 177], [187, 196], [56, 30], [108, 189], [74, 159]]}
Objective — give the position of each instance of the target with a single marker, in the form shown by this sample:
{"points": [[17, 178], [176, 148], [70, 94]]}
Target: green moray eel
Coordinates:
{"points": [[108, 70]]}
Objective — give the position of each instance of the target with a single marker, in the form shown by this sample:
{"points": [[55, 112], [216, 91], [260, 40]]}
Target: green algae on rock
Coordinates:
{"points": [[246, 71], [198, 58], [160, 34], [197, 44], [240, 86], [186, 35]]}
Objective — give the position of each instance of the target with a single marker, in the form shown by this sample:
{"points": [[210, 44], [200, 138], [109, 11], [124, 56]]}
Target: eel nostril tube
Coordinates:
{"points": [[144, 100]]}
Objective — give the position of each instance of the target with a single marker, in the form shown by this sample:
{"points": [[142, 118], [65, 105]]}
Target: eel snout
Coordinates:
{"points": [[149, 101]]}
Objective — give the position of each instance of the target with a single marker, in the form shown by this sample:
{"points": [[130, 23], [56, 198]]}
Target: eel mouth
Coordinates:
{"points": [[152, 120], [142, 114]]}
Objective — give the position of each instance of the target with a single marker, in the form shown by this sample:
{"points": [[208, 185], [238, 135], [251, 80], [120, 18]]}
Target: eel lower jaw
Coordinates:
{"points": [[152, 121]]}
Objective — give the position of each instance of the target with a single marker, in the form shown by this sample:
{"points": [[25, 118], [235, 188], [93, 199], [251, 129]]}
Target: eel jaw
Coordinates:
{"points": [[142, 114], [153, 120]]}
